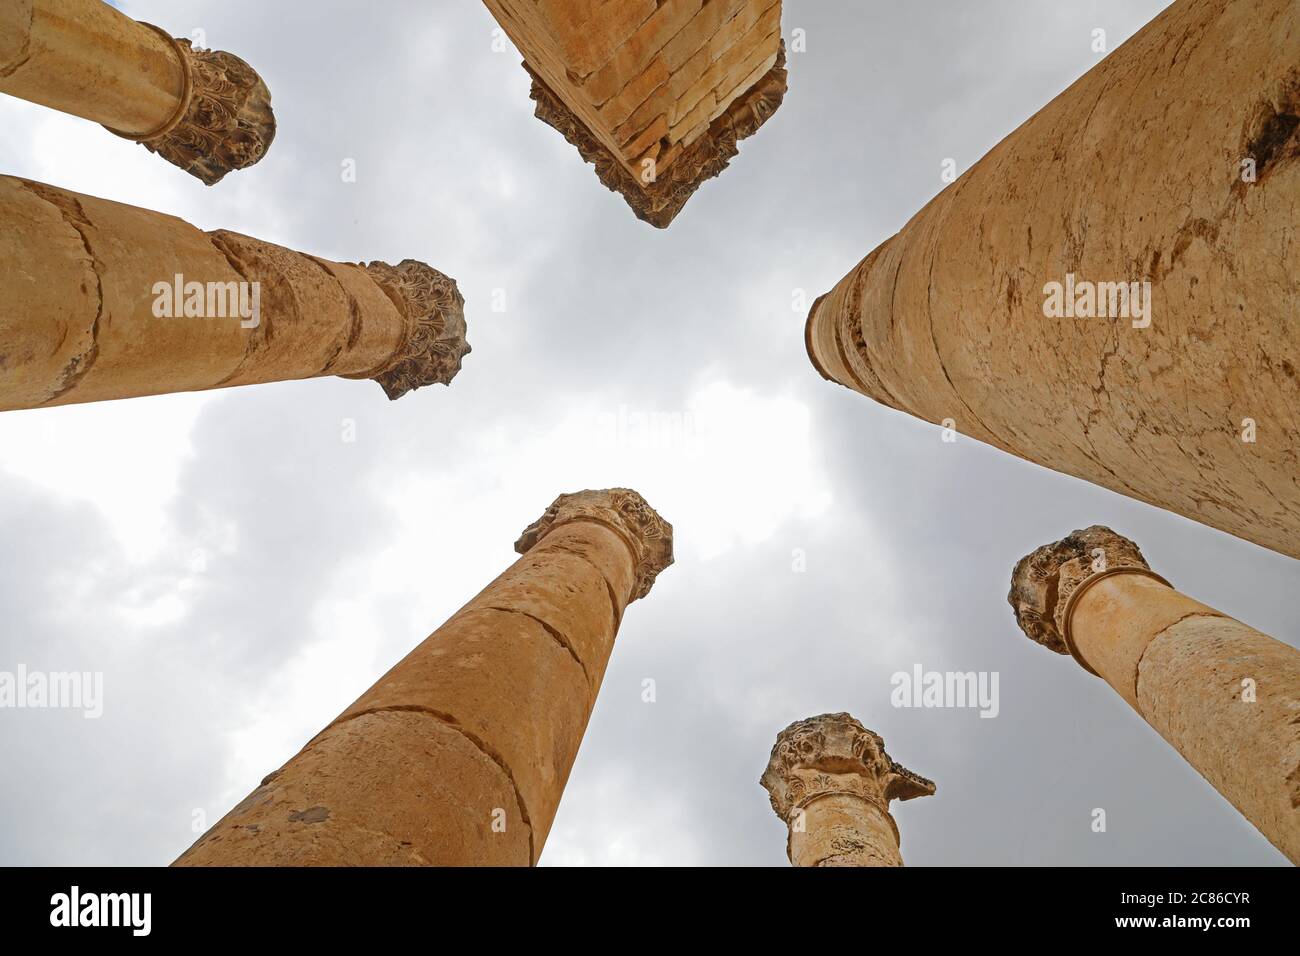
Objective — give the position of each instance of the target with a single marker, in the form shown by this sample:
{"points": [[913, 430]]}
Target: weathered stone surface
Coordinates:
{"points": [[1191, 684], [1136, 173], [1222, 694], [1129, 612], [225, 122], [588, 31], [206, 111], [678, 84], [648, 537], [80, 318], [504, 679], [830, 780], [459, 754], [435, 342], [385, 788], [567, 596], [1043, 581]]}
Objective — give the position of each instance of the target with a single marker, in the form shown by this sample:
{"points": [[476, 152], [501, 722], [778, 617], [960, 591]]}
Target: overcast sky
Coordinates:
{"points": [[240, 573]]}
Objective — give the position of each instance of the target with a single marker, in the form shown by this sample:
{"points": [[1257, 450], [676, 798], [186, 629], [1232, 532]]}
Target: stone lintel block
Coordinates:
{"points": [[657, 199], [696, 35], [637, 55], [589, 31]]}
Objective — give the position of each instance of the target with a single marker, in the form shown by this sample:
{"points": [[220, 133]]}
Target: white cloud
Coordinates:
{"points": [[122, 457]]}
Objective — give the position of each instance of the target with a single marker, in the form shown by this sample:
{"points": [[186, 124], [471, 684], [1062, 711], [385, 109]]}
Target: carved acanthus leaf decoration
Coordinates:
{"points": [[224, 121], [834, 753], [623, 511], [435, 341]]}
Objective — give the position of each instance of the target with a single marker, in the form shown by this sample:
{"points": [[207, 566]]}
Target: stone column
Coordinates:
{"points": [[99, 300], [831, 781], [459, 754], [206, 111], [1222, 694], [1172, 162]]}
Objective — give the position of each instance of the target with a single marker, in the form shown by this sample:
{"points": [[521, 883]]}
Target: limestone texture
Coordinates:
{"points": [[1172, 162], [654, 93], [206, 111], [1222, 694], [88, 309], [458, 756], [830, 779]]}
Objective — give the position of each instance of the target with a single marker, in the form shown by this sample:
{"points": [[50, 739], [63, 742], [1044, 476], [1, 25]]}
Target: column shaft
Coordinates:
{"points": [[89, 59], [458, 756], [843, 829], [1222, 694], [205, 111], [91, 307], [1173, 162]]}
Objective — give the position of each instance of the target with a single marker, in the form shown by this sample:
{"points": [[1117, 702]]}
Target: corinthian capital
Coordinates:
{"points": [[224, 121], [624, 512], [834, 753], [435, 333], [1044, 580]]}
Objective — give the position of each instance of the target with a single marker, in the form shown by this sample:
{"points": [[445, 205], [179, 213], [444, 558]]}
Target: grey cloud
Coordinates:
{"points": [[910, 564]]}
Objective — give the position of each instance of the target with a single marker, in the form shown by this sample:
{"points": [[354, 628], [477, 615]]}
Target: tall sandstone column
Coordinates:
{"points": [[1222, 694], [1173, 162], [654, 93], [459, 754], [831, 781], [99, 300], [206, 111]]}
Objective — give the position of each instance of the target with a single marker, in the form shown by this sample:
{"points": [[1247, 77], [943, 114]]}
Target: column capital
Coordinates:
{"points": [[1043, 581], [435, 338], [624, 512], [224, 121], [834, 753]]}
